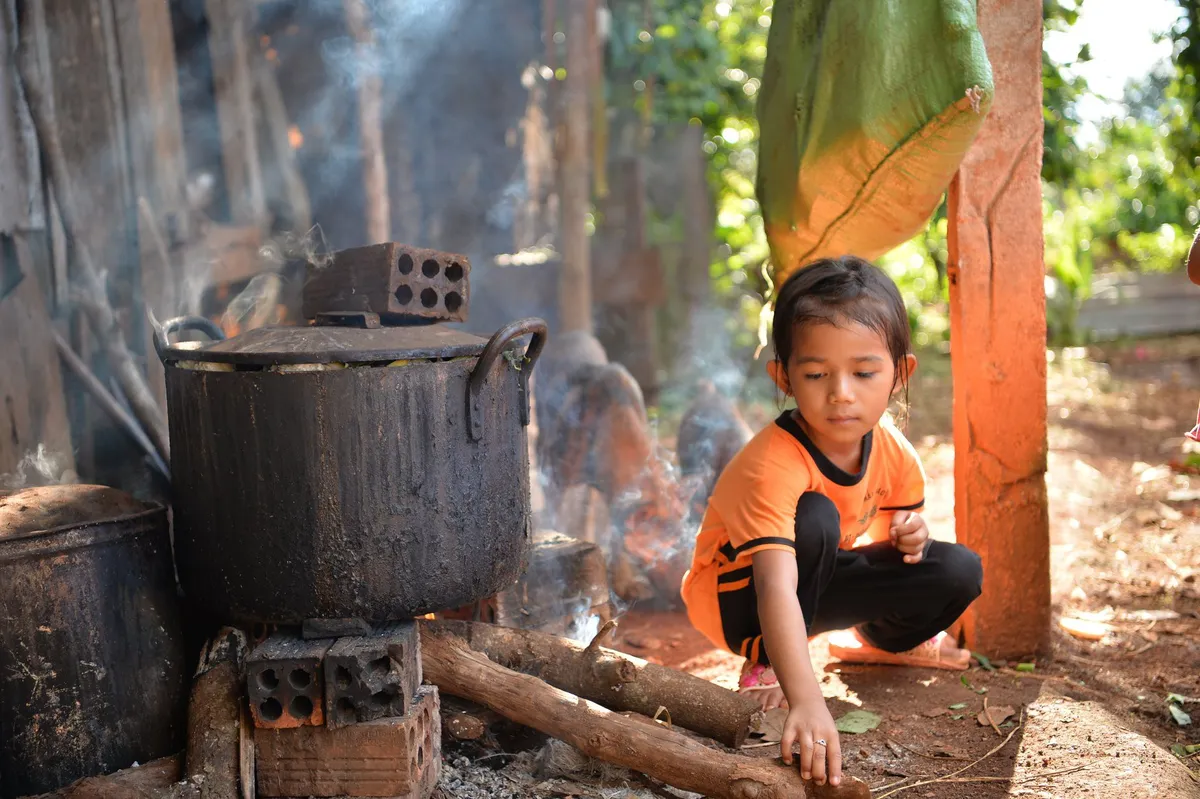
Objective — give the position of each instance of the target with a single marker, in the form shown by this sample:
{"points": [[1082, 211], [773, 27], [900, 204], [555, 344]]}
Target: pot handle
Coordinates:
{"points": [[501, 339], [162, 336]]}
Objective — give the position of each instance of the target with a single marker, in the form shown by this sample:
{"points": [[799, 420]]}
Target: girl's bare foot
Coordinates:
{"points": [[939, 652], [760, 684]]}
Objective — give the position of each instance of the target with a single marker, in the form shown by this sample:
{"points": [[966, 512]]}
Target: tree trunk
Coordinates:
{"points": [[370, 124], [575, 281]]}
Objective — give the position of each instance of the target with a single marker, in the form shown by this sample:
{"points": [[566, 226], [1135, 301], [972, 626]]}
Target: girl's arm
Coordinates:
{"points": [[786, 639]]}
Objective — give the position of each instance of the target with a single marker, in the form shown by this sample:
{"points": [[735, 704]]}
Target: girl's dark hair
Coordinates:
{"points": [[840, 290]]}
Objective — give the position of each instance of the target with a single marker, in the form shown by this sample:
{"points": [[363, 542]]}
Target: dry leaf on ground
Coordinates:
{"points": [[998, 716]]}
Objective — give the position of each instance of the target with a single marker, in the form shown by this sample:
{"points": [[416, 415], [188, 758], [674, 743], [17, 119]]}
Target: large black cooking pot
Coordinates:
{"points": [[348, 469], [93, 670]]}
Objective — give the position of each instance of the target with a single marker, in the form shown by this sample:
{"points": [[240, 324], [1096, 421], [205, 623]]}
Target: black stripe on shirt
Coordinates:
{"points": [[770, 539], [735, 575], [914, 506]]}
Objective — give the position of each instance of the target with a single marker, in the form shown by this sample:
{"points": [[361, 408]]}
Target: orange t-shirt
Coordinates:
{"points": [[753, 505]]}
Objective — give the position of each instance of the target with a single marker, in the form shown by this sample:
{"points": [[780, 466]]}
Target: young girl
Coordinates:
{"points": [[775, 561]]}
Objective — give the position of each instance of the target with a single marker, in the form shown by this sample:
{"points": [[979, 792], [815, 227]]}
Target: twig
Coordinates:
{"points": [[1053, 678], [970, 765], [925, 754], [991, 720], [108, 402], [1088, 661], [493, 756], [891, 785], [155, 234], [99, 312], [1031, 778], [604, 632]]}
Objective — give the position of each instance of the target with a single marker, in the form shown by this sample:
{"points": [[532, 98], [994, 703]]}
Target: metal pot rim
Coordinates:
{"points": [[270, 346], [62, 528], [77, 536]]}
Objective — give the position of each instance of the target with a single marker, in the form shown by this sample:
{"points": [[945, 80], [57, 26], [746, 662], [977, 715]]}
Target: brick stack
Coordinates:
{"points": [[341, 717]]}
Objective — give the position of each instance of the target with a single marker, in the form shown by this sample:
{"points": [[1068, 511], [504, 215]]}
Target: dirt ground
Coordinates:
{"points": [[1125, 532]]}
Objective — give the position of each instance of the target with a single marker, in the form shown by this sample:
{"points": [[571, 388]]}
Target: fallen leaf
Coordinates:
{"points": [[934, 712], [998, 716], [958, 717], [949, 751], [771, 725], [981, 691], [958, 705], [1086, 630], [857, 722], [985, 662], [1177, 713]]}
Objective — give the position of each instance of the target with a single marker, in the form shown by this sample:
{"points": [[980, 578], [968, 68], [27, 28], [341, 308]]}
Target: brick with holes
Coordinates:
{"points": [[392, 757], [390, 279], [284, 682], [363, 682]]}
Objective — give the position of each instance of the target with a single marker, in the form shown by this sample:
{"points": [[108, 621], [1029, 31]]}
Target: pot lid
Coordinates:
{"points": [[35, 510], [335, 338]]}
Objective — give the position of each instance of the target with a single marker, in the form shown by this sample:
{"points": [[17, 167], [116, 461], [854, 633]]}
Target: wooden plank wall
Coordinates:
{"points": [[33, 410], [111, 76]]}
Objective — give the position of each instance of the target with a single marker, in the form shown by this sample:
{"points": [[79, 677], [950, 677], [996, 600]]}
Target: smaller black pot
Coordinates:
{"points": [[92, 663]]}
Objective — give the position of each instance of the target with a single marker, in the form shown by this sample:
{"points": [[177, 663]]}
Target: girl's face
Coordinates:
{"points": [[842, 377]]}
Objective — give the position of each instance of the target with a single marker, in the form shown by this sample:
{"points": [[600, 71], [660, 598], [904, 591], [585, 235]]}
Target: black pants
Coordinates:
{"points": [[894, 605]]}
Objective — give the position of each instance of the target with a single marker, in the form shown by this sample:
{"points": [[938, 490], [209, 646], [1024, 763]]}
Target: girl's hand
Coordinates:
{"points": [[807, 723], [909, 534]]}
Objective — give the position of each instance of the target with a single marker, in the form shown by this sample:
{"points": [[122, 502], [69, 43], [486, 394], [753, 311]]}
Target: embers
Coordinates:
{"points": [[392, 280]]}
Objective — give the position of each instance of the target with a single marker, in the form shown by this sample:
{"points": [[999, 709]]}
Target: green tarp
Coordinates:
{"points": [[866, 109]]}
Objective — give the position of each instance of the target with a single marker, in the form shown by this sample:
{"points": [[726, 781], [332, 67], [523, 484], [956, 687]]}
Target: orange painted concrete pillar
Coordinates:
{"points": [[998, 344]]}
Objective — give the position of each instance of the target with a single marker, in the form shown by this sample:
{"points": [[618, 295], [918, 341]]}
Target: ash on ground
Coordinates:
{"points": [[555, 770]]}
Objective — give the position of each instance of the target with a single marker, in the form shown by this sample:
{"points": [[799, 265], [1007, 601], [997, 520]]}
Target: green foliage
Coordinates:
{"points": [[697, 62], [1124, 196], [1060, 91]]}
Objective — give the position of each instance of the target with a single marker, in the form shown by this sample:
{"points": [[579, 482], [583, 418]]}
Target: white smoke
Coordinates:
{"points": [[39, 468]]}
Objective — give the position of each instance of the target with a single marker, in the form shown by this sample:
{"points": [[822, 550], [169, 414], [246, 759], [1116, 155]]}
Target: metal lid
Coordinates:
{"points": [[340, 338], [46, 508]]}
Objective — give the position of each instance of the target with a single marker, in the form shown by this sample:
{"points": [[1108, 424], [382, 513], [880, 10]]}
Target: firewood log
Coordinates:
{"points": [[150, 781], [613, 679], [218, 739], [658, 752]]}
